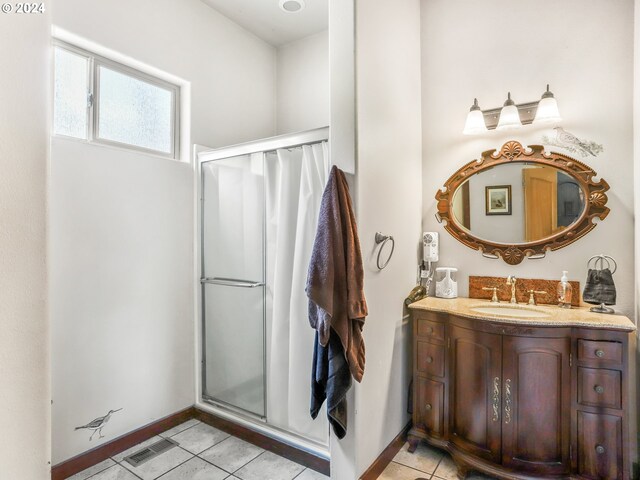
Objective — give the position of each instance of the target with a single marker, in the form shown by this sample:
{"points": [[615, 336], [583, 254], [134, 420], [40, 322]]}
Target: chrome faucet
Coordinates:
{"points": [[511, 280]]}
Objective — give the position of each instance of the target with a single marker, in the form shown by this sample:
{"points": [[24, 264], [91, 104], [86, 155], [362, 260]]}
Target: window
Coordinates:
{"points": [[101, 101], [70, 94]]}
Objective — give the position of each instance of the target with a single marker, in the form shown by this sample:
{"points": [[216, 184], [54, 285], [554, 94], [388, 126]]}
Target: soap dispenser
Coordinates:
{"points": [[565, 291]]}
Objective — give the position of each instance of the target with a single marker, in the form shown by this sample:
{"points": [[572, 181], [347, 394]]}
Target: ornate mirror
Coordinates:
{"points": [[520, 202]]}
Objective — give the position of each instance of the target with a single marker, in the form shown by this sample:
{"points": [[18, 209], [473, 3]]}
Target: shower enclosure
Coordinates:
{"points": [[258, 216]]}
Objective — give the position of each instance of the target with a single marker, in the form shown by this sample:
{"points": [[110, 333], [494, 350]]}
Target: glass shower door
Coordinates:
{"points": [[233, 282]]}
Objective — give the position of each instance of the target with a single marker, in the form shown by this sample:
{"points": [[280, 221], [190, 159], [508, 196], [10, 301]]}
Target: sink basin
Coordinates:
{"points": [[511, 311]]}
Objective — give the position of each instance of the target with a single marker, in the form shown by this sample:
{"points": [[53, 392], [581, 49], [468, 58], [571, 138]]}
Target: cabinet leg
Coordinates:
{"points": [[413, 443], [462, 472]]}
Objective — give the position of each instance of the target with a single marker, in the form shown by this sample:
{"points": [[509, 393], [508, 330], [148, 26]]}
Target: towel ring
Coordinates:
{"points": [[382, 240]]}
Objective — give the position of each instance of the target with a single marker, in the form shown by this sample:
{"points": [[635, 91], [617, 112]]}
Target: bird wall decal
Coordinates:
{"points": [[97, 424], [569, 141]]}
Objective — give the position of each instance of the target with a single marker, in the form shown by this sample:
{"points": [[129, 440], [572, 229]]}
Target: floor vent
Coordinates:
{"points": [[152, 451]]}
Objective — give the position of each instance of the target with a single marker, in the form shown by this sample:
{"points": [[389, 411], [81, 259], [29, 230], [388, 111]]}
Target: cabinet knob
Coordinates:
{"points": [[429, 359], [599, 389], [599, 353], [600, 449], [430, 330], [428, 406]]}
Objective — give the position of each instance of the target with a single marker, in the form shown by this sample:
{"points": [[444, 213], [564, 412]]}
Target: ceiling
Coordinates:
{"points": [[265, 19]]}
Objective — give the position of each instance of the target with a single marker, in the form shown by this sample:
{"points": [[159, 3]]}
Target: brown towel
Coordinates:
{"points": [[335, 283]]}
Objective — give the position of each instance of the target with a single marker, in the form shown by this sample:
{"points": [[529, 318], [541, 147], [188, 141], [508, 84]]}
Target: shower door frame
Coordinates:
{"points": [[234, 413], [204, 281]]}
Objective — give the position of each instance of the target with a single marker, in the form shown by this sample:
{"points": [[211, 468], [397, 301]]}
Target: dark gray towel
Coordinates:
{"points": [[330, 380], [599, 287]]}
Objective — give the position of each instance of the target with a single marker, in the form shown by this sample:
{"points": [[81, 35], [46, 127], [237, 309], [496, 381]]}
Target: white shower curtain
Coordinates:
{"points": [[294, 180]]}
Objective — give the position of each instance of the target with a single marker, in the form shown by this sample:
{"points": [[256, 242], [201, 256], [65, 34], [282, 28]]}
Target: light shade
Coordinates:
{"points": [[547, 109], [475, 120], [509, 116]]}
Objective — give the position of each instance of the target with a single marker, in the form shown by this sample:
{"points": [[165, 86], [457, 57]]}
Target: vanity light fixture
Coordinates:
{"points": [[475, 120], [509, 116], [547, 109], [512, 115]]}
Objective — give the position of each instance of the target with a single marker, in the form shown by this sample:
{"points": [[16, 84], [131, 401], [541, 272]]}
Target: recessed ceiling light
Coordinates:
{"points": [[292, 6]]}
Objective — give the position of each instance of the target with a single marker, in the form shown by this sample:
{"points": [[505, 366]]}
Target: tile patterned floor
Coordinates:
{"points": [[426, 462], [204, 453]]}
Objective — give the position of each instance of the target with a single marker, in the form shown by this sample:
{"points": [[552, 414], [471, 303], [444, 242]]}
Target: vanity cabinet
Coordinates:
{"points": [[537, 404], [522, 401], [476, 368]]}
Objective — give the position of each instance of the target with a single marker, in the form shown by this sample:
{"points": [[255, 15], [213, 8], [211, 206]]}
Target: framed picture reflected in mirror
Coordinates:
{"points": [[498, 200]]}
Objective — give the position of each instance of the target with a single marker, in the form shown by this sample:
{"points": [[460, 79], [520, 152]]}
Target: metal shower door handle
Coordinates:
{"points": [[231, 282]]}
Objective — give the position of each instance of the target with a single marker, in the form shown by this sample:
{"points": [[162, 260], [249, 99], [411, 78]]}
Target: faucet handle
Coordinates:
{"points": [[494, 298], [532, 298]]}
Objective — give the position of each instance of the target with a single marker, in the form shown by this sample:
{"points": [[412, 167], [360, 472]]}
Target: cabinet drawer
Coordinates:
{"points": [[433, 330], [599, 352], [430, 359], [429, 411], [599, 387], [600, 446]]}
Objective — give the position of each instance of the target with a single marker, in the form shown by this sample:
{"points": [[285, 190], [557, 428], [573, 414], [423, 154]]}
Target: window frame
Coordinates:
{"points": [[94, 62]]}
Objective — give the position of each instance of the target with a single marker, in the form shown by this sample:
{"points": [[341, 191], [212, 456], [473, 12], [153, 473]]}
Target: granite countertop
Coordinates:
{"points": [[557, 317]]}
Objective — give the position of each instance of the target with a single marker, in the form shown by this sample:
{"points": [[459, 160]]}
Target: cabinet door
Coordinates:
{"points": [[536, 404], [429, 408], [474, 402], [600, 446]]}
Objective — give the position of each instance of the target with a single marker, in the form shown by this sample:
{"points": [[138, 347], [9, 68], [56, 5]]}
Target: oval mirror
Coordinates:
{"points": [[518, 202]]}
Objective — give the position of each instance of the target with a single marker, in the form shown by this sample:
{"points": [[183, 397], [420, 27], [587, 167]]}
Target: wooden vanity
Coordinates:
{"points": [[522, 398]]}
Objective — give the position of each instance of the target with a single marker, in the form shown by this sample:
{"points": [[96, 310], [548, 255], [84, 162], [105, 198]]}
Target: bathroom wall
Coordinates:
{"points": [[303, 84], [584, 50], [388, 200], [342, 147], [25, 419], [122, 223], [121, 296], [342, 85], [636, 146], [636, 183]]}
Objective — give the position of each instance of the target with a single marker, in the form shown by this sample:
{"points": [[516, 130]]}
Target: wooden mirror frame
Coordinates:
{"points": [[511, 152]]}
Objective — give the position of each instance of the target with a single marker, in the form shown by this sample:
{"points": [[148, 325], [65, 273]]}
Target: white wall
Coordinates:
{"points": [[584, 50], [389, 200], [303, 84], [636, 146], [342, 145], [121, 296], [123, 223], [342, 84], [636, 184], [24, 338]]}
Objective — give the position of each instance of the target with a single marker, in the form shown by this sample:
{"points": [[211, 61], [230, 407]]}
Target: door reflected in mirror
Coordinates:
{"points": [[519, 202]]}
